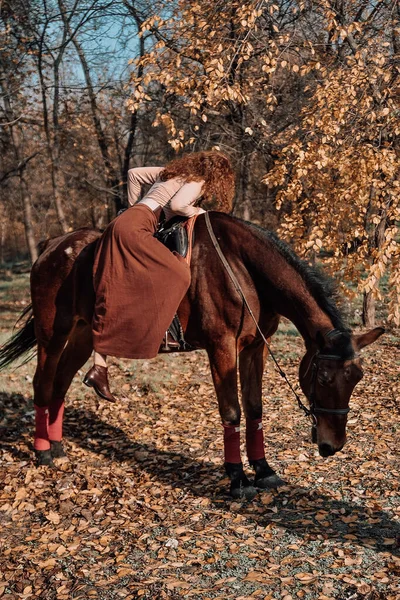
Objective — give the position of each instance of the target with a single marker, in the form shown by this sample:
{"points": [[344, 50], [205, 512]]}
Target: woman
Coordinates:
{"points": [[139, 283]]}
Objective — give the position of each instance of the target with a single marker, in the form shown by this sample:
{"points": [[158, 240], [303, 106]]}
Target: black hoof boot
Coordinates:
{"points": [[265, 478], [241, 488], [44, 457], [57, 450]]}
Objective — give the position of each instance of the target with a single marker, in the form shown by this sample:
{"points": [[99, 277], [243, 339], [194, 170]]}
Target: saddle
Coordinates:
{"points": [[177, 235]]}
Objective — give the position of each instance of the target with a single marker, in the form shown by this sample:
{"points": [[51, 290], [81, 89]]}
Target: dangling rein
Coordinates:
{"points": [[313, 410]]}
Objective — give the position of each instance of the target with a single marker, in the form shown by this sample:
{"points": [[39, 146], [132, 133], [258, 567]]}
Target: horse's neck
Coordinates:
{"points": [[309, 320], [281, 287]]}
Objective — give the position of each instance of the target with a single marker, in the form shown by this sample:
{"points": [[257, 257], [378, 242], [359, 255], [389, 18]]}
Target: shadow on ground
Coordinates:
{"points": [[297, 507]]}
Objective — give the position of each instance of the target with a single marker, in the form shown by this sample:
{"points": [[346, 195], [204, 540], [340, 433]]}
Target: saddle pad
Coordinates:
{"points": [[189, 226]]}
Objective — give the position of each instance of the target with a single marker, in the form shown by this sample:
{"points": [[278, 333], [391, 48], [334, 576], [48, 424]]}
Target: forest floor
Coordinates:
{"points": [[141, 509]]}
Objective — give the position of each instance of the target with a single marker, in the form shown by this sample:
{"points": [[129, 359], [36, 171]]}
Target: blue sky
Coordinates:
{"points": [[108, 50]]}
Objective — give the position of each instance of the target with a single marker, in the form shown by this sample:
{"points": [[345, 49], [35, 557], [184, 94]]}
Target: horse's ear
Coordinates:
{"points": [[365, 339], [331, 338]]}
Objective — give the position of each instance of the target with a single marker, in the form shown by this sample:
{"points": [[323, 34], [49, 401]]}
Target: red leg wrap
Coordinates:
{"points": [[254, 439], [56, 415], [41, 428], [232, 443]]}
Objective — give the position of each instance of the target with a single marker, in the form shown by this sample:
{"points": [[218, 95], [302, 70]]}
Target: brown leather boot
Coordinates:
{"points": [[97, 379]]}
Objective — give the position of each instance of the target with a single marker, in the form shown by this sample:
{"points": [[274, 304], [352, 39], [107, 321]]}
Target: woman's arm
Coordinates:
{"points": [[138, 177], [182, 202]]}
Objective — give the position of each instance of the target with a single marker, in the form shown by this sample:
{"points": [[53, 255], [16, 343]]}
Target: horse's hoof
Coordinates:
{"points": [[272, 482], [239, 491], [57, 450], [44, 457]]}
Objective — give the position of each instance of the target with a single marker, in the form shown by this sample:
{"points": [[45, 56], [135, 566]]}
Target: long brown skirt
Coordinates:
{"points": [[139, 285]]}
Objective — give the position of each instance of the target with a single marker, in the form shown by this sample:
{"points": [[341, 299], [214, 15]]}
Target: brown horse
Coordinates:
{"points": [[275, 282]]}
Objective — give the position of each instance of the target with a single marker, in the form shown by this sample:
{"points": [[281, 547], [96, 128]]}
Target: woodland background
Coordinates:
{"points": [[303, 96]]}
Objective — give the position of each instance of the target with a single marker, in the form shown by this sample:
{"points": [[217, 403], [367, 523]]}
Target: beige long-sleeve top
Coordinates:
{"points": [[175, 196]]}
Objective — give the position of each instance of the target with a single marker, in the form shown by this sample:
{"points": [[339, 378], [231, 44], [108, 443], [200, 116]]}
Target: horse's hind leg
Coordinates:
{"points": [[251, 366], [223, 363], [47, 362], [75, 354]]}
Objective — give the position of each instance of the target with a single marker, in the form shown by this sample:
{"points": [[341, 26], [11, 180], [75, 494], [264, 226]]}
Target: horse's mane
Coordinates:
{"points": [[321, 287]]}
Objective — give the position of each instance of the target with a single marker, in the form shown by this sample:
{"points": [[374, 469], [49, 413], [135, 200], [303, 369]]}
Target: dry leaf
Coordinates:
{"points": [[53, 517], [306, 577]]}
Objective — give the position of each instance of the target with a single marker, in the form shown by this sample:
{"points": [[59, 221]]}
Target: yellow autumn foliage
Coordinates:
{"points": [[338, 177], [333, 164]]}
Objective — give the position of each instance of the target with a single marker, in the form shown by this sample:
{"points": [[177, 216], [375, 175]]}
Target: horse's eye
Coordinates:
{"points": [[353, 373]]}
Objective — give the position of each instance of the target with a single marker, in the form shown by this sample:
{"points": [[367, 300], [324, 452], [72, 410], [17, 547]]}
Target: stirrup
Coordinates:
{"points": [[169, 343]]}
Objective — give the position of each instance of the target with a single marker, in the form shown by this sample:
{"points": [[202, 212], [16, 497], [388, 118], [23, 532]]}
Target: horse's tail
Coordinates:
{"points": [[21, 342]]}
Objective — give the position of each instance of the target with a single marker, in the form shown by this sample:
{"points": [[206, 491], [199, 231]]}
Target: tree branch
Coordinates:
{"points": [[19, 167]]}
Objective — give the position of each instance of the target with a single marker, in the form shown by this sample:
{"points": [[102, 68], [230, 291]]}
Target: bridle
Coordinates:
{"points": [[314, 410]]}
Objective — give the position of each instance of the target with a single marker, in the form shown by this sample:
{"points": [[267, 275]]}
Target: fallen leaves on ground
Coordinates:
{"points": [[141, 510]]}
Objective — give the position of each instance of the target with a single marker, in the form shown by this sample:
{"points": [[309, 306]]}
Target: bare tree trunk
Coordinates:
{"points": [[245, 200], [27, 212], [134, 116], [131, 137], [55, 150], [243, 205], [15, 137], [2, 241], [53, 160], [111, 176], [368, 310], [378, 238]]}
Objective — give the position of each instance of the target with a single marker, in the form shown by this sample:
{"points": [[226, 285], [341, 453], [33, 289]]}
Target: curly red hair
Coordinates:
{"points": [[214, 168]]}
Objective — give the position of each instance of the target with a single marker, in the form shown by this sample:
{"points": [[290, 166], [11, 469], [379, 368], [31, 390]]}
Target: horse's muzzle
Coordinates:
{"points": [[326, 450]]}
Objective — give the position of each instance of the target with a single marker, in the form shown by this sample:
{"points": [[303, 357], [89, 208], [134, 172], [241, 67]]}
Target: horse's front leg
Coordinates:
{"points": [[251, 366], [223, 364]]}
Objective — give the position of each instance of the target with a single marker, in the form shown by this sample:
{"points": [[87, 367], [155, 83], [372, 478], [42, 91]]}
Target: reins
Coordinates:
{"points": [[313, 410]]}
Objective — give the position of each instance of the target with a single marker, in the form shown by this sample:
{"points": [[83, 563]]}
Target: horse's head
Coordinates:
{"points": [[328, 374]]}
